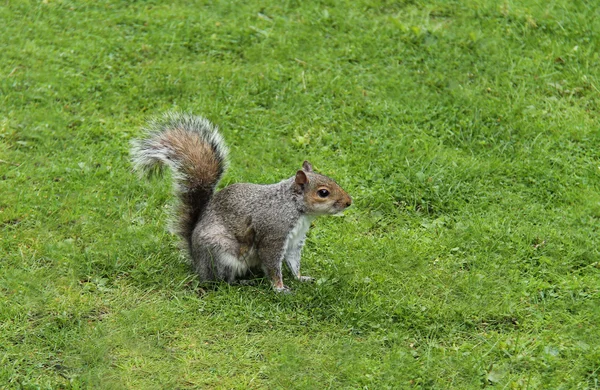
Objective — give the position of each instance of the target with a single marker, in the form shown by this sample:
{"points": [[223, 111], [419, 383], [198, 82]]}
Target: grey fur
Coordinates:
{"points": [[274, 210]]}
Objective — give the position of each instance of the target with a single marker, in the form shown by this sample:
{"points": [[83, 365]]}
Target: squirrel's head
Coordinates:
{"points": [[322, 195]]}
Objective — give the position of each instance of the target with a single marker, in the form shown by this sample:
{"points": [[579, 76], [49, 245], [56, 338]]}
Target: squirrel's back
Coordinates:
{"points": [[272, 207], [194, 150]]}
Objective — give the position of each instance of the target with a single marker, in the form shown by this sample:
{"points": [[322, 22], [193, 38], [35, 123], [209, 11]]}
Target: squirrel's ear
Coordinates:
{"points": [[307, 167], [301, 178]]}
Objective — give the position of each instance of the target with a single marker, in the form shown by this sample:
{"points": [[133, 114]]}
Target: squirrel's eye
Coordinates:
{"points": [[323, 193]]}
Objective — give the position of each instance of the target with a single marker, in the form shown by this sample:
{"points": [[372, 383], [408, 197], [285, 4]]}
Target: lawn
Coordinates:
{"points": [[467, 133]]}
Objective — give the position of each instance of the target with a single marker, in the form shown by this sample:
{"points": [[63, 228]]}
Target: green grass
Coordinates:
{"points": [[466, 131]]}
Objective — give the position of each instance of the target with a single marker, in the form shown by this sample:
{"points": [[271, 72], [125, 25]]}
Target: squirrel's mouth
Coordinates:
{"points": [[343, 205], [339, 210]]}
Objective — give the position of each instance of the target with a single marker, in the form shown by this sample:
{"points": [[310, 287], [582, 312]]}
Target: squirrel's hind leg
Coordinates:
{"points": [[218, 261]]}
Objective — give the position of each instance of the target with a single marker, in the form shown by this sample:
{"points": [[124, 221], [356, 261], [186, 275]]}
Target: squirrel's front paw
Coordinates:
{"points": [[306, 279], [283, 290]]}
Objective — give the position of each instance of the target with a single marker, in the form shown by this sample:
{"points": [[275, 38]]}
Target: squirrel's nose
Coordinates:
{"points": [[349, 202]]}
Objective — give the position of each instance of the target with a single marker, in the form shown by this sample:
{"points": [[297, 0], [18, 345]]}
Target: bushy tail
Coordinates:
{"points": [[196, 153]]}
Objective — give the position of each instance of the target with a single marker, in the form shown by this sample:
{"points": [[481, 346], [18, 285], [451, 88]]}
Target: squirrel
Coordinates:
{"points": [[243, 227]]}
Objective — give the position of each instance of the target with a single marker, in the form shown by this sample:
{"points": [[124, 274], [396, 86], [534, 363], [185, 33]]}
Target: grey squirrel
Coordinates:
{"points": [[243, 226]]}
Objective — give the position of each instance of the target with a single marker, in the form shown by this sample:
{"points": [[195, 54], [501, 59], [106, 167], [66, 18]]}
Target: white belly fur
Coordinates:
{"points": [[238, 266], [298, 233]]}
